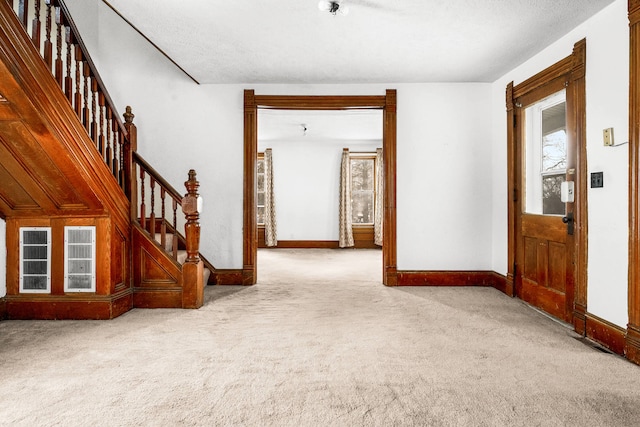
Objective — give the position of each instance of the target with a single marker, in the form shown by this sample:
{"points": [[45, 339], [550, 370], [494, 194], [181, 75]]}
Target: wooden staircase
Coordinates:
{"points": [[67, 159]]}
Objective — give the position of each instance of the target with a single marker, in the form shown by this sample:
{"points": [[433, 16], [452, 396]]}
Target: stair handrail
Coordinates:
{"points": [[146, 216], [79, 80]]}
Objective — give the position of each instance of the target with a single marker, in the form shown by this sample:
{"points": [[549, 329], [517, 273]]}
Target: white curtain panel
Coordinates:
{"points": [[379, 211], [345, 226], [270, 229]]}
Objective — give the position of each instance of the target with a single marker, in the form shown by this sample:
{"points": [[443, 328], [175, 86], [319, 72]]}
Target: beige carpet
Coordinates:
{"points": [[319, 341]]}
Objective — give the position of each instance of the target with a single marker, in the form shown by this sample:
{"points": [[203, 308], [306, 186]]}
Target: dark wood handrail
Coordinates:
{"points": [[157, 177]]}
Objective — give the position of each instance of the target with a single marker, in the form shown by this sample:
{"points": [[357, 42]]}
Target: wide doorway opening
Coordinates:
{"points": [[312, 145]]}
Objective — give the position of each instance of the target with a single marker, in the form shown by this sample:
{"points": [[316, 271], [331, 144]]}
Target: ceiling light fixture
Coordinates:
{"points": [[333, 7]]}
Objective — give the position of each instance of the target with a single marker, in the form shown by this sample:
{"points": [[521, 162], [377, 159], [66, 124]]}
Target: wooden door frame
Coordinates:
{"points": [[573, 68], [632, 339], [252, 102]]}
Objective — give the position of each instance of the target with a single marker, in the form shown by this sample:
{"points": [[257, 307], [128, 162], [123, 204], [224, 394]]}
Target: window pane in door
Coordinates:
{"points": [[551, 203], [545, 155]]}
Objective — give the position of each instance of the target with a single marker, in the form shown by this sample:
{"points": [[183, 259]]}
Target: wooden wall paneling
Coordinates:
{"points": [[57, 256], [632, 342], [13, 256], [119, 260], [104, 252], [157, 277]]}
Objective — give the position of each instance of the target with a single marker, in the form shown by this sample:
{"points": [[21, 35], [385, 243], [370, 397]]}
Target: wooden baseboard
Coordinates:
{"points": [[605, 333], [61, 307], [226, 277], [166, 297], [632, 344], [452, 278], [305, 244], [3, 309]]}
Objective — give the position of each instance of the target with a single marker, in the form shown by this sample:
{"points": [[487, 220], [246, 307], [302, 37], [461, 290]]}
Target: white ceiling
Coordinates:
{"points": [[379, 41]]}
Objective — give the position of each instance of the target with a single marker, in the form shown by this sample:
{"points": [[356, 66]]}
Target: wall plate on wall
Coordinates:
{"points": [[597, 180]]}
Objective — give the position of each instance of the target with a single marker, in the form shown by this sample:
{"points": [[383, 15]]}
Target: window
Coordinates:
{"points": [[546, 155], [260, 189], [79, 259], [35, 259], [363, 178]]}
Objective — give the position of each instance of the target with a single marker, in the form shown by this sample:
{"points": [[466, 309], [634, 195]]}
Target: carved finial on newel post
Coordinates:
{"points": [[130, 145], [191, 207]]}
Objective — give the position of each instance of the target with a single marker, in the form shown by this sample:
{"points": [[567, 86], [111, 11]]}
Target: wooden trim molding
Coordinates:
{"points": [[252, 102], [451, 278], [605, 333], [632, 343], [3, 308], [137, 30], [306, 244]]}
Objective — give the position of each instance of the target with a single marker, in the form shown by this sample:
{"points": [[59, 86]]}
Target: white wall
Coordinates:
{"points": [[3, 258], [444, 147], [607, 106], [307, 184]]}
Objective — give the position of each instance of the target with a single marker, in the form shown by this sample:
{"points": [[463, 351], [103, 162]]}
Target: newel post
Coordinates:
{"points": [[192, 269], [130, 146]]}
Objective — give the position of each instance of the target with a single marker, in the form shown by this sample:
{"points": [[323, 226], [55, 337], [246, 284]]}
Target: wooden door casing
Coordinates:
{"points": [[547, 266]]}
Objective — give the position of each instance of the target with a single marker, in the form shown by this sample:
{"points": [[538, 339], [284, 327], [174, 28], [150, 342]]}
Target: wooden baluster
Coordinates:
{"points": [[48, 46], [68, 80], [101, 104], [94, 116], [23, 12], [85, 110], [174, 245], [143, 210], [152, 216], [107, 150], [77, 104], [113, 160], [35, 26], [120, 153], [58, 67], [163, 222]]}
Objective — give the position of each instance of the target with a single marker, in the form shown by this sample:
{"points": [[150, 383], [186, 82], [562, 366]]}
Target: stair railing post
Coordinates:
{"points": [[129, 147], [192, 269], [190, 208]]}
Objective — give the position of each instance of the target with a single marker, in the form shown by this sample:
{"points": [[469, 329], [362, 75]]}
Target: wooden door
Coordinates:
{"points": [[546, 157]]}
